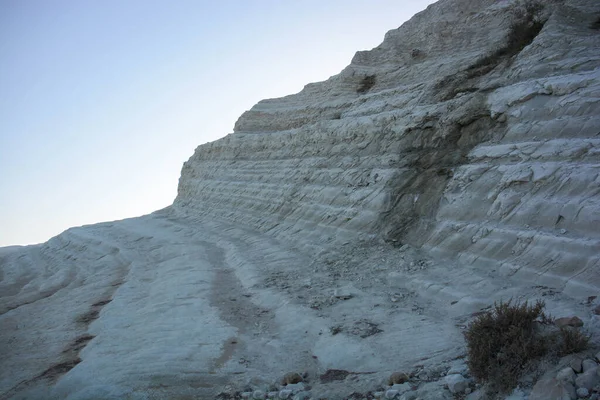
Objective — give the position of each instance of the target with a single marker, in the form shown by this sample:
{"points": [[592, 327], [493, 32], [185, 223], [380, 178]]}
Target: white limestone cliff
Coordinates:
{"points": [[445, 169], [493, 161]]}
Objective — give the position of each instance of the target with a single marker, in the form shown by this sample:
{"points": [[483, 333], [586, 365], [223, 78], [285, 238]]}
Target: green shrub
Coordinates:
{"points": [[502, 342]]}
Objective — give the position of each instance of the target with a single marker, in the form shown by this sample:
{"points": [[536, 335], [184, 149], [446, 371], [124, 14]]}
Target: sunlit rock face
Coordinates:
{"points": [[357, 225], [453, 135]]}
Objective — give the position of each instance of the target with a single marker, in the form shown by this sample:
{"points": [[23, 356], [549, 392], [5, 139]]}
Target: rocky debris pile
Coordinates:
{"points": [[574, 376], [293, 391], [443, 382], [577, 378]]}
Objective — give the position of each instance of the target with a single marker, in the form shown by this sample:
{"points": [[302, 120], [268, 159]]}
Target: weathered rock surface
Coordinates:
{"points": [[566, 375], [553, 389], [589, 379], [456, 383], [494, 162], [480, 167]]}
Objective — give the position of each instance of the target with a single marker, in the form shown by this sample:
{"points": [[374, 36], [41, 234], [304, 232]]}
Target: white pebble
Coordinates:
{"points": [[582, 393], [390, 394], [259, 394], [285, 394]]}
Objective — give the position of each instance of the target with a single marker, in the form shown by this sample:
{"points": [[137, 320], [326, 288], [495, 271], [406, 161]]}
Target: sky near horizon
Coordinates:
{"points": [[101, 101]]}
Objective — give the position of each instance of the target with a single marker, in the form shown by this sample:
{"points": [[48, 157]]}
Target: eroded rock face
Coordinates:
{"points": [[444, 137], [451, 137]]}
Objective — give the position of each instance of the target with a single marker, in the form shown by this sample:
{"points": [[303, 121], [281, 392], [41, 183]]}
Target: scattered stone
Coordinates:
{"points": [[589, 364], [574, 322], [597, 310], [397, 377], [285, 394], [259, 394], [291, 377], [458, 368], [246, 395], [402, 387], [378, 395], [566, 375], [409, 396], [302, 396], [390, 394], [476, 395], [272, 395], [598, 355], [433, 390], [576, 365], [296, 387], [588, 379], [423, 375], [456, 383], [552, 389], [342, 294], [582, 393], [439, 371]]}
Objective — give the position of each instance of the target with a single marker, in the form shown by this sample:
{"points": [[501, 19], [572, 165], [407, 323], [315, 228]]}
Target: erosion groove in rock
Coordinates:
{"points": [[356, 226]]}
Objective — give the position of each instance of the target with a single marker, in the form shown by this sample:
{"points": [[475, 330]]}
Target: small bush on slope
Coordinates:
{"points": [[505, 342]]}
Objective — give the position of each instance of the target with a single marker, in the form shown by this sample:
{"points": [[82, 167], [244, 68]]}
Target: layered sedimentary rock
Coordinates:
{"points": [[469, 140], [473, 131]]}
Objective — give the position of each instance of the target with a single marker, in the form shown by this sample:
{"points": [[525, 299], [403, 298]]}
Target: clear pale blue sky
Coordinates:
{"points": [[101, 101]]}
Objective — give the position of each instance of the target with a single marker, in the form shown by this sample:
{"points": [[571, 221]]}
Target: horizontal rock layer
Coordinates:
{"points": [[446, 136]]}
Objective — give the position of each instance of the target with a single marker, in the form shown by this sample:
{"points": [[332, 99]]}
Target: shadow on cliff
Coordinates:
{"points": [[439, 144], [416, 190]]}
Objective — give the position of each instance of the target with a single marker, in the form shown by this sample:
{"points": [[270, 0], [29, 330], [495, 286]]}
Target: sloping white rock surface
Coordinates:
{"points": [[433, 176], [494, 160]]}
